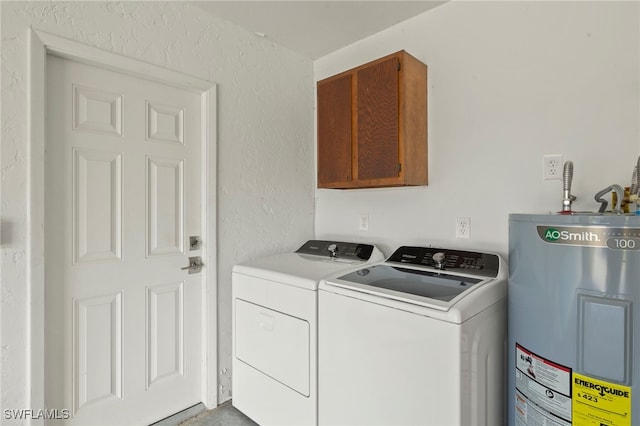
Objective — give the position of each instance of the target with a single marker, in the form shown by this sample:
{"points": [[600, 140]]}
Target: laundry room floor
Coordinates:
{"points": [[224, 415]]}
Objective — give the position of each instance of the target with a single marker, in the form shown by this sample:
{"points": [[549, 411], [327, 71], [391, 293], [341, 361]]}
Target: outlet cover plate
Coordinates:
{"points": [[552, 165], [363, 223], [463, 228]]}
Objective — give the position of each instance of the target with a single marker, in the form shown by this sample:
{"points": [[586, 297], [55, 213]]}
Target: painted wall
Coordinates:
{"points": [[265, 143], [507, 83]]}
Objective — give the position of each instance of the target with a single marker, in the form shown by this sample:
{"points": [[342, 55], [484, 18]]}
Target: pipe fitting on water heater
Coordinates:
{"points": [[624, 200], [567, 178], [634, 190]]}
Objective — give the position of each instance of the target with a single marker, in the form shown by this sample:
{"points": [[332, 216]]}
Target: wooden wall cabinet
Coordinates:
{"points": [[372, 125]]}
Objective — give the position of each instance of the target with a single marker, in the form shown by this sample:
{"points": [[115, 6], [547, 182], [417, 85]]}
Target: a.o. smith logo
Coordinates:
{"points": [[553, 234], [572, 235]]}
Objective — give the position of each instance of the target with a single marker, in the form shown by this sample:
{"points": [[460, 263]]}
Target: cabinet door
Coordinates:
{"points": [[377, 126], [334, 131]]}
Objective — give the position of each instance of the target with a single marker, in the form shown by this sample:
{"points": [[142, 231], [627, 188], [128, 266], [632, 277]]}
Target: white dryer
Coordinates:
{"points": [[274, 378], [416, 340]]}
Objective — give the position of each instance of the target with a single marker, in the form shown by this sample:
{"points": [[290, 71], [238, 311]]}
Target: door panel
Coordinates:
{"points": [[98, 352], [97, 205], [123, 320], [165, 349], [165, 204], [96, 110], [164, 123]]}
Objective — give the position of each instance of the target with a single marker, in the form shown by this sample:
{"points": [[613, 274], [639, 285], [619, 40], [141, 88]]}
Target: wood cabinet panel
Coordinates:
{"points": [[372, 125], [378, 120], [334, 123]]}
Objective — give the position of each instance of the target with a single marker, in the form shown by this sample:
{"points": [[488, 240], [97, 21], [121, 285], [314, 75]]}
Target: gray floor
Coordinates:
{"points": [[224, 415]]}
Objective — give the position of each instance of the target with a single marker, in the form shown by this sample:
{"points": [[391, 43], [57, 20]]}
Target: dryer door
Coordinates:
{"points": [[274, 343]]}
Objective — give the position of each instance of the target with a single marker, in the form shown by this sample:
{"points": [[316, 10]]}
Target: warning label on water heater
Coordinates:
{"points": [[543, 390], [597, 403]]}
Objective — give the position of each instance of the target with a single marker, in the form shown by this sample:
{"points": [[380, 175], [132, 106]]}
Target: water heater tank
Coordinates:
{"points": [[574, 320]]}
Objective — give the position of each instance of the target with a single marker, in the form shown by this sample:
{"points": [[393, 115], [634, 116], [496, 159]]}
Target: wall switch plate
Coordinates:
{"points": [[463, 228], [552, 165], [363, 224]]}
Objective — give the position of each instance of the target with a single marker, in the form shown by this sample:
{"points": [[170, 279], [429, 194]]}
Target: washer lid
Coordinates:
{"points": [[456, 283], [418, 282]]}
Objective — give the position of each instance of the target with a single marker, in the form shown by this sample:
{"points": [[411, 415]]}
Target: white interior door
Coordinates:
{"points": [[123, 332]]}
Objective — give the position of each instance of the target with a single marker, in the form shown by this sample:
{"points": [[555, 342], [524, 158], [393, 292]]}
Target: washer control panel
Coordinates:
{"points": [[469, 262], [337, 249]]}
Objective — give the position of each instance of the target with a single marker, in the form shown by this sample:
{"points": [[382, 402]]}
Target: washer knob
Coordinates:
{"points": [[439, 259]]}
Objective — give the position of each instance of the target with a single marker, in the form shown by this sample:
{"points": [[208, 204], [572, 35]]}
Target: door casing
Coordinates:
{"points": [[41, 44]]}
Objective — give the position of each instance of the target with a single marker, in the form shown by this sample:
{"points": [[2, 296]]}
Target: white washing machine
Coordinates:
{"points": [[274, 378], [416, 340]]}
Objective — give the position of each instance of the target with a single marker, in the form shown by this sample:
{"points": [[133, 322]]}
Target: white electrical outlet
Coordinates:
{"points": [[463, 227], [552, 167], [364, 222]]}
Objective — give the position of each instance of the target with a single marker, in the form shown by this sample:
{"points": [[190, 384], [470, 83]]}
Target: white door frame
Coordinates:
{"points": [[41, 44]]}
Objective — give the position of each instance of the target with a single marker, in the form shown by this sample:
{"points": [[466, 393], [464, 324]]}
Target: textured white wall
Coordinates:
{"points": [[265, 143], [508, 83]]}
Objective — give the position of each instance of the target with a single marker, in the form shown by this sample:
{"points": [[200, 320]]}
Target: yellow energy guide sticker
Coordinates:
{"points": [[600, 403]]}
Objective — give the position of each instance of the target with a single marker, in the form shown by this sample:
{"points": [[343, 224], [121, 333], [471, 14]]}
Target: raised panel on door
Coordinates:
{"points": [[165, 123], [96, 110], [334, 131], [98, 350], [165, 206], [377, 128], [165, 332], [97, 211]]}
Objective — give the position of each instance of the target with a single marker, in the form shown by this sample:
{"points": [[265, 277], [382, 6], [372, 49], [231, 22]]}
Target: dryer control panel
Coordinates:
{"points": [[337, 249], [469, 262]]}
